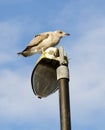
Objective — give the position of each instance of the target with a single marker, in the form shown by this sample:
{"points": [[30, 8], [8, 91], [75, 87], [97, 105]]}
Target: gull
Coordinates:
{"points": [[43, 41]]}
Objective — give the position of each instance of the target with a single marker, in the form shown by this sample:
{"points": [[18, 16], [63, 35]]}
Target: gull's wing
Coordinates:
{"points": [[37, 39]]}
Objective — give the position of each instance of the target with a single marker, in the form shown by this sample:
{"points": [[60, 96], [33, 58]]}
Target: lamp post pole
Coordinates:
{"points": [[64, 102]]}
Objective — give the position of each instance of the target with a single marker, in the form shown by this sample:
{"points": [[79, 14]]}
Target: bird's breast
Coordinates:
{"points": [[50, 42], [53, 40]]}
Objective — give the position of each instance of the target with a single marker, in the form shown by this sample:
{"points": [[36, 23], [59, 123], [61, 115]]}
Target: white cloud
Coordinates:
{"points": [[12, 32], [87, 75], [18, 102], [85, 49], [9, 36]]}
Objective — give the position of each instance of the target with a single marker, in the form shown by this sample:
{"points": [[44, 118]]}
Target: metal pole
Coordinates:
{"points": [[64, 104], [63, 82]]}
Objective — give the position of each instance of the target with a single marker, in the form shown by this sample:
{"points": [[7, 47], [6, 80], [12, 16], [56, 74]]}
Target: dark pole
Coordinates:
{"points": [[64, 104], [63, 82]]}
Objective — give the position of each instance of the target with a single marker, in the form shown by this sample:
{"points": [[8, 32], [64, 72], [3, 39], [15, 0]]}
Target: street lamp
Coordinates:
{"points": [[49, 74]]}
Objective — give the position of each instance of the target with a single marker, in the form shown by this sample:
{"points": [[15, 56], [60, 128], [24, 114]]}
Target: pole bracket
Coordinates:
{"points": [[62, 72]]}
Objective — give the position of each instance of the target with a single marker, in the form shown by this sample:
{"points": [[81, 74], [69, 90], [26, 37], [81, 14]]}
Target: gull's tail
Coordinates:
{"points": [[22, 53]]}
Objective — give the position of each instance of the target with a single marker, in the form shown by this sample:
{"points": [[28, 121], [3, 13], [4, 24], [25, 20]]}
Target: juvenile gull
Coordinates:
{"points": [[43, 41]]}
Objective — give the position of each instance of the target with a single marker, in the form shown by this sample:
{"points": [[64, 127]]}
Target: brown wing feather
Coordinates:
{"points": [[37, 39]]}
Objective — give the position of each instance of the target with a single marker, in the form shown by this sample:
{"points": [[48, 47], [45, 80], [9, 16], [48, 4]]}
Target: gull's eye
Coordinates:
{"points": [[60, 32]]}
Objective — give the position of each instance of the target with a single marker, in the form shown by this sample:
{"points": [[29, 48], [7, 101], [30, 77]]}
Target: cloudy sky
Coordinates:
{"points": [[20, 20]]}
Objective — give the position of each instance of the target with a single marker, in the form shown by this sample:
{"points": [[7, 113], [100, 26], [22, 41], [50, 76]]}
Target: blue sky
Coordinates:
{"points": [[19, 22]]}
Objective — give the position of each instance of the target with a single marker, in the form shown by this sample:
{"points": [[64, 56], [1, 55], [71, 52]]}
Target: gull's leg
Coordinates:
{"points": [[43, 52]]}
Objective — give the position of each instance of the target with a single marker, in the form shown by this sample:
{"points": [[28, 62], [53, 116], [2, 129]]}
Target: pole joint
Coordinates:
{"points": [[62, 72]]}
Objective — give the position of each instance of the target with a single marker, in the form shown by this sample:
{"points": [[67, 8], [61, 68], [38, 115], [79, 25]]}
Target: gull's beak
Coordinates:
{"points": [[67, 34]]}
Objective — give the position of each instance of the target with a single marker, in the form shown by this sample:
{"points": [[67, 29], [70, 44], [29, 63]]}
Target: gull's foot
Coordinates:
{"points": [[44, 53]]}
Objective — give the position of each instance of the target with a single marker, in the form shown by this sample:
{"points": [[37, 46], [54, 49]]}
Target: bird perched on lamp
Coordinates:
{"points": [[42, 41]]}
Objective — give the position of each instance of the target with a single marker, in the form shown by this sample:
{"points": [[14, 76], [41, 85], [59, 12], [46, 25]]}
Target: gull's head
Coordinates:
{"points": [[61, 33]]}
